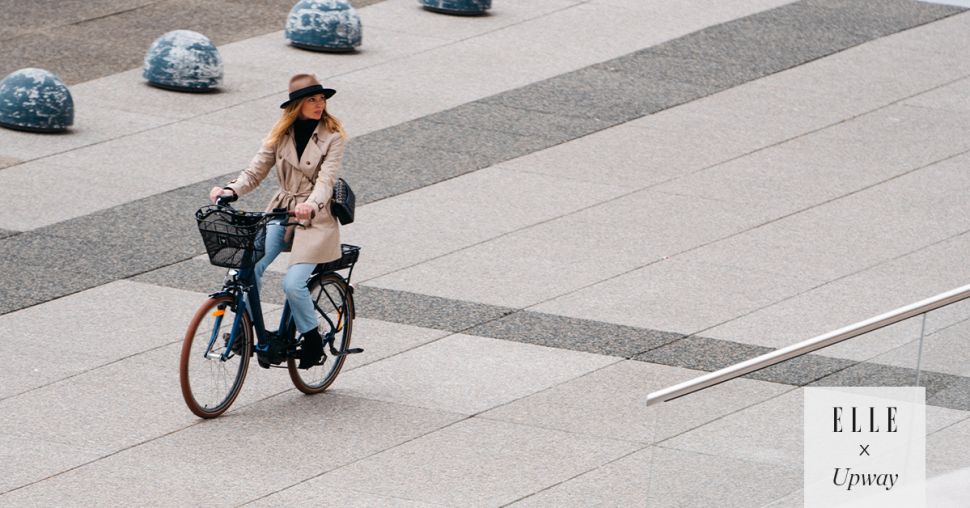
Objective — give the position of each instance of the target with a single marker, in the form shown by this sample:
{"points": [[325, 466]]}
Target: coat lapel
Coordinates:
{"points": [[311, 157], [288, 150], [312, 154]]}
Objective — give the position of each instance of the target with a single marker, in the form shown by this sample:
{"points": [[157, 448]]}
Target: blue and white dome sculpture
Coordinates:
{"points": [[35, 100], [183, 60], [324, 25], [465, 7]]}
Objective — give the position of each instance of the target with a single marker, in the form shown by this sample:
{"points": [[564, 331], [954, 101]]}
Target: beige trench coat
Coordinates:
{"points": [[308, 179]]}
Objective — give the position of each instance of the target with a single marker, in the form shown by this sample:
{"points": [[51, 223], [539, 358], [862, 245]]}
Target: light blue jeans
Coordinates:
{"points": [[295, 281]]}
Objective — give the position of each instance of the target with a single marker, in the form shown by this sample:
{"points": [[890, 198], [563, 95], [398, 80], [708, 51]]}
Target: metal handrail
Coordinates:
{"points": [[807, 346]]}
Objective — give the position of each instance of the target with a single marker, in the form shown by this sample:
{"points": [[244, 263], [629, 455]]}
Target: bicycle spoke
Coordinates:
{"points": [[334, 324], [210, 382]]}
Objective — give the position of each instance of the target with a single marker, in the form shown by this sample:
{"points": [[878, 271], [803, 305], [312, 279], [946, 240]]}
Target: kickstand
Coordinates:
{"points": [[328, 340]]}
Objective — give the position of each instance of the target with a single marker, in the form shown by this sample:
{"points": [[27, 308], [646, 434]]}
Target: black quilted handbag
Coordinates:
{"points": [[342, 204]]}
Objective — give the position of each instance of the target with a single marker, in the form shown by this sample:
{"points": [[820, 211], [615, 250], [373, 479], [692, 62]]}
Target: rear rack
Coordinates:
{"points": [[349, 255]]}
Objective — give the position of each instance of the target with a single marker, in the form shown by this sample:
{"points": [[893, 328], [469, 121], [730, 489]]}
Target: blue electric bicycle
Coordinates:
{"points": [[228, 329]]}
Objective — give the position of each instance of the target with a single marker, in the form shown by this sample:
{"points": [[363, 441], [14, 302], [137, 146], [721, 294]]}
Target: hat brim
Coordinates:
{"points": [[310, 90]]}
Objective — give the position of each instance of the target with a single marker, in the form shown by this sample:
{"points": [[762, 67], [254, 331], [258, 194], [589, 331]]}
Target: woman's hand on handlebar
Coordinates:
{"points": [[219, 192], [304, 211]]}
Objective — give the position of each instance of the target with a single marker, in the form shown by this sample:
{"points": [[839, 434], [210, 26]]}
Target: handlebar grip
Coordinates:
{"points": [[293, 214], [290, 213], [225, 199]]}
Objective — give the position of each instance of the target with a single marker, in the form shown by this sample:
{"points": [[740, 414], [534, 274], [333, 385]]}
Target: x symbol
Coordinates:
{"points": [[865, 450]]}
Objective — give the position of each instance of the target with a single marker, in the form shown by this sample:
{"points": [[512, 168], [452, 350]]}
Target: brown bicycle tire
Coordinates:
{"points": [[191, 334]]}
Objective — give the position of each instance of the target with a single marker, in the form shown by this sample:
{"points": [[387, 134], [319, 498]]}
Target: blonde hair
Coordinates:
{"points": [[290, 113]]}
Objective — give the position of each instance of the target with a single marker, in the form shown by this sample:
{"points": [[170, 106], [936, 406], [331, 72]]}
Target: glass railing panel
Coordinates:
{"points": [[944, 361], [740, 443]]}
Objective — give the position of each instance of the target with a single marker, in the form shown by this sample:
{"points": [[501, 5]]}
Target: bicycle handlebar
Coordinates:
{"points": [[225, 199]]}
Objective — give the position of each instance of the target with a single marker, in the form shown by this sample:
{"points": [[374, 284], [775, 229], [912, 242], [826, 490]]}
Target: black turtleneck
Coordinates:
{"points": [[302, 130]]}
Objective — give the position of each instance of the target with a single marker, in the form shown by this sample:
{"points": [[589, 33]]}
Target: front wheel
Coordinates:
{"points": [[334, 305], [215, 357]]}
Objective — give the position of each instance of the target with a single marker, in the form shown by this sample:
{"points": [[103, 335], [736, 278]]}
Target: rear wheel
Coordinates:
{"points": [[335, 316], [211, 370]]}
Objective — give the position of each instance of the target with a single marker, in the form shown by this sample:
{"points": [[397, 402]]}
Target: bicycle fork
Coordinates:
{"points": [[219, 313]]}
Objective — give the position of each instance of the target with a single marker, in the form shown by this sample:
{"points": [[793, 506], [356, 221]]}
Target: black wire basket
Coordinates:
{"points": [[233, 239]]}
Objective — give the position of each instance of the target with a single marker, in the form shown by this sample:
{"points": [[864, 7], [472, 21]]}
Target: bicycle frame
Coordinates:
{"points": [[242, 287]]}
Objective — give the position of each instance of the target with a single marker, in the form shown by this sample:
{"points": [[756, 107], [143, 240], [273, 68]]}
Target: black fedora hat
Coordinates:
{"points": [[302, 85]]}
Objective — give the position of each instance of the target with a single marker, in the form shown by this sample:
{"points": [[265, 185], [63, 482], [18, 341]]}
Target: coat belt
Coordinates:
{"points": [[288, 199]]}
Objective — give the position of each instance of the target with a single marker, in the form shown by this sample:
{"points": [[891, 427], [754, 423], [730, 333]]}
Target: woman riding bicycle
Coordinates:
{"points": [[306, 145]]}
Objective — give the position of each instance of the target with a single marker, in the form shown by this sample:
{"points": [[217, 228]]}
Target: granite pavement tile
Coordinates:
{"points": [[486, 274], [467, 374], [188, 148], [6, 162], [455, 28], [24, 461], [775, 180], [145, 234], [101, 330], [750, 434], [422, 310], [93, 123], [382, 169], [91, 263], [497, 200], [611, 403], [948, 490], [865, 75], [129, 91], [896, 14], [874, 374], [30, 366], [795, 499], [487, 143], [181, 467], [574, 251], [890, 141], [192, 275], [382, 339], [952, 97], [495, 117], [317, 493], [769, 41], [27, 282], [939, 351], [857, 232], [59, 53], [478, 463], [604, 95], [703, 75], [70, 11], [665, 477], [948, 450], [633, 158], [709, 355], [770, 109], [707, 295], [942, 40], [120, 33], [272, 55], [143, 402], [576, 334], [861, 295], [955, 395], [63, 191]]}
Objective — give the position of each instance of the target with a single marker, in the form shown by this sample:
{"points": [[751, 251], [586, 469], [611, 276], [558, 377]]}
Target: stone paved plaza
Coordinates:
{"points": [[563, 206]]}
